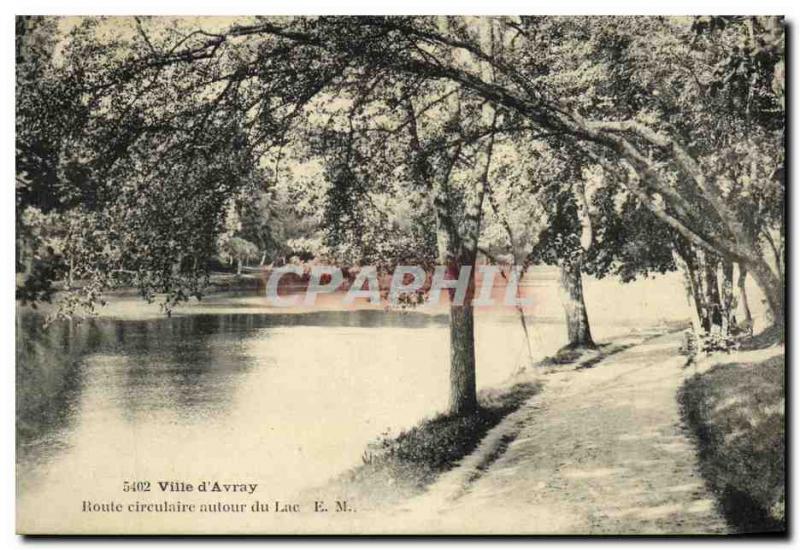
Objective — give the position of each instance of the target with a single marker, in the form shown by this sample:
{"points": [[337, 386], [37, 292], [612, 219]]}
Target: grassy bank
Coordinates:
{"points": [[400, 467], [737, 412]]}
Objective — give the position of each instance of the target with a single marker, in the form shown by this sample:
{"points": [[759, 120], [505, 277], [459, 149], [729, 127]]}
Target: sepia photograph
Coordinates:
{"points": [[400, 275]]}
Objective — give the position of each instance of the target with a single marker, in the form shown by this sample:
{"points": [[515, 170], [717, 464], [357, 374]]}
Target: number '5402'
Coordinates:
{"points": [[136, 486]]}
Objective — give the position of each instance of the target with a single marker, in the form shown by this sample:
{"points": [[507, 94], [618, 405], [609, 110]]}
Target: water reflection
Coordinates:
{"points": [[188, 366], [48, 378]]}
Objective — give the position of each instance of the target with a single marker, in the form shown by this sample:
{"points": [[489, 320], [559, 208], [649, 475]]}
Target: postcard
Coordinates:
{"points": [[400, 275]]}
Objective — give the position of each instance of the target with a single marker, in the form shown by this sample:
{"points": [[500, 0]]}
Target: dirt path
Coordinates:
{"points": [[599, 451]]}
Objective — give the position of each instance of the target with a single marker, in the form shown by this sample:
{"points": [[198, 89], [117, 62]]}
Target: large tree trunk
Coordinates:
{"points": [[578, 333], [773, 292], [463, 395], [687, 260], [463, 400], [740, 283], [712, 314], [727, 296]]}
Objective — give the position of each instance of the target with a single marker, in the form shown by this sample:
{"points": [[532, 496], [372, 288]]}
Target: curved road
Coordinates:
{"points": [[599, 451]]}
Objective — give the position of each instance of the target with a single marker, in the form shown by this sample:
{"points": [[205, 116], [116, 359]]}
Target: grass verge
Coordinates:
{"points": [[397, 468], [737, 412], [582, 358]]}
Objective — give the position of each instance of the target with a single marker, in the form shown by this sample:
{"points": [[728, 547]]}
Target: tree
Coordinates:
{"points": [[564, 238], [47, 118], [560, 208], [145, 175], [444, 149]]}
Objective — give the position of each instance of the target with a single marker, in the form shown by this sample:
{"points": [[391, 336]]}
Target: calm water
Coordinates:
{"points": [[285, 400]]}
